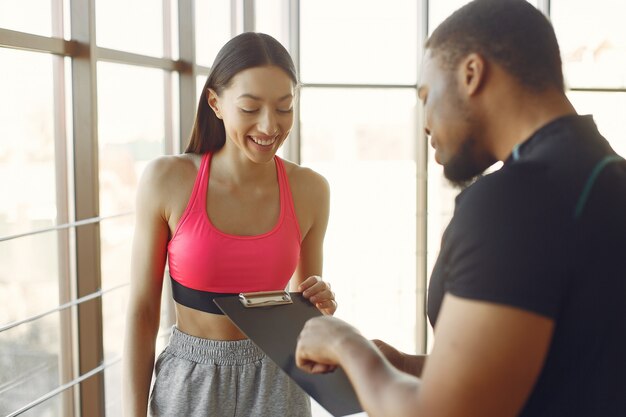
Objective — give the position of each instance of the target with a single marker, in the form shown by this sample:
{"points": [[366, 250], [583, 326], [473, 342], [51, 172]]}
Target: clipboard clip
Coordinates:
{"points": [[264, 298]]}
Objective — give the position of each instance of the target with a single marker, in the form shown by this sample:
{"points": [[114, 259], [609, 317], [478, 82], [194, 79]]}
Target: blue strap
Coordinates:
{"points": [[516, 152], [584, 196]]}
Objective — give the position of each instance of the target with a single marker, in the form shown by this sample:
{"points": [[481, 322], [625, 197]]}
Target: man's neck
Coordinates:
{"points": [[522, 115]]}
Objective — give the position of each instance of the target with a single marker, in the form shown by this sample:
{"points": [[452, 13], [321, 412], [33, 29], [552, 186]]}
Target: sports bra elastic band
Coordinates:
{"points": [[197, 299]]}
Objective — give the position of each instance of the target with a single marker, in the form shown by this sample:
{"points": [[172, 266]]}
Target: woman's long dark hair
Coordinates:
{"points": [[247, 50]]}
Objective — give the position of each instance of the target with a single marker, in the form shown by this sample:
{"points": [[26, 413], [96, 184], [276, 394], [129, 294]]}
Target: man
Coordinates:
{"points": [[528, 296]]}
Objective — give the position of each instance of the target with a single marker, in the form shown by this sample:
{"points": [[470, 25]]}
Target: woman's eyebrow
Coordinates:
{"points": [[246, 95], [253, 97]]}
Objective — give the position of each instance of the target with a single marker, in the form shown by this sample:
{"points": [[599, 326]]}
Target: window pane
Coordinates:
{"points": [[366, 153], [212, 28], [113, 311], [27, 172], [29, 364], [26, 287], [608, 112], [359, 41], [18, 15], [592, 37], [113, 316], [48, 408], [113, 389], [200, 80], [272, 17], [116, 237], [27, 183], [132, 26], [130, 130], [358, 124]]}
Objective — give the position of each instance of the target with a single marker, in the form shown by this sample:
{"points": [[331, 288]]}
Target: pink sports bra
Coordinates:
{"points": [[205, 262]]}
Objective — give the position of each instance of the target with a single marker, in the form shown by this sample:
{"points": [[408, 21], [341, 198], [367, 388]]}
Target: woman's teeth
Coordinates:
{"points": [[263, 142]]}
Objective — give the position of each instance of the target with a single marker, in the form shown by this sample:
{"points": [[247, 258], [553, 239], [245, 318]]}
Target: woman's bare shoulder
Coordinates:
{"points": [[171, 169], [307, 183], [308, 177], [169, 179], [166, 184]]}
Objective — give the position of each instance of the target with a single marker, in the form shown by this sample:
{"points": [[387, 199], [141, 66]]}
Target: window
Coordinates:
{"points": [[66, 259], [358, 41], [594, 61], [29, 278], [18, 15], [607, 110], [272, 17], [213, 24], [593, 42], [363, 140], [132, 26]]}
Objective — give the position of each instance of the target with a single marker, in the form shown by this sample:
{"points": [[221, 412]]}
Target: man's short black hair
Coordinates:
{"points": [[512, 33]]}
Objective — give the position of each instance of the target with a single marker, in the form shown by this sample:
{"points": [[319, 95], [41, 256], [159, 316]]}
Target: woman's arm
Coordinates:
{"points": [[312, 199], [147, 267]]}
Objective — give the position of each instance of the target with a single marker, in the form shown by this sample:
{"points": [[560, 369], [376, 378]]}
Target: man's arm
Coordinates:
{"points": [[485, 362], [326, 342], [411, 364]]}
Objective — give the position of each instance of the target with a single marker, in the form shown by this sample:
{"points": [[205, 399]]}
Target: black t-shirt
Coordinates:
{"points": [[547, 233]]}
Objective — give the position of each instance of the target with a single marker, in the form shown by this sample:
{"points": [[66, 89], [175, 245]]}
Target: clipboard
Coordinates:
{"points": [[272, 320]]}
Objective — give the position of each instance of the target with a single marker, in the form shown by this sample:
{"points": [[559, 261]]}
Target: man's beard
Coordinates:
{"points": [[467, 164]]}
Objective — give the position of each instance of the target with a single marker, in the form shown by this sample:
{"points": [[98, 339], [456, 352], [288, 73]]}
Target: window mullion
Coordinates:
{"points": [[86, 197]]}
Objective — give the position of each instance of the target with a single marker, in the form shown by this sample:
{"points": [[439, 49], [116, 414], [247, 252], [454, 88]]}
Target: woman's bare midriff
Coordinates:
{"points": [[206, 325]]}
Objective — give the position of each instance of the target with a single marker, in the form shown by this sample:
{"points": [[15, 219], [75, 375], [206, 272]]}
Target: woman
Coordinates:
{"points": [[229, 216]]}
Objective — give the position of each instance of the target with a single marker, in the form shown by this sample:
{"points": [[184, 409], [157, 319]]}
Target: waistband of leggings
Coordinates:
{"points": [[215, 352]]}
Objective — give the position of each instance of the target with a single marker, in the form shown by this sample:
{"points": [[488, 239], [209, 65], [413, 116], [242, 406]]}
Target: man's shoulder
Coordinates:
{"points": [[511, 187]]}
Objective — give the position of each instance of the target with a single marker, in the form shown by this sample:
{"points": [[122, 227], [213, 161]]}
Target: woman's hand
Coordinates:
{"points": [[319, 294]]}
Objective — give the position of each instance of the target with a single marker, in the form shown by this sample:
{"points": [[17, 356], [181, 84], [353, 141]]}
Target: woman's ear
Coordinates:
{"points": [[213, 100]]}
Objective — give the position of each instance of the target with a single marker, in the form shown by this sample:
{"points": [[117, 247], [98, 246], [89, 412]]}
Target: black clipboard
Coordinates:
{"points": [[273, 320]]}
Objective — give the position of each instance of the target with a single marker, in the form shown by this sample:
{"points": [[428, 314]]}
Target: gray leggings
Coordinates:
{"points": [[199, 377]]}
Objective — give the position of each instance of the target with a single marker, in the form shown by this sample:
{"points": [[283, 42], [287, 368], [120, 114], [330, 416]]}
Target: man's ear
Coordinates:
{"points": [[213, 100], [473, 71]]}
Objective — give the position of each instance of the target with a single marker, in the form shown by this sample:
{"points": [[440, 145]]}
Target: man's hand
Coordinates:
{"points": [[319, 344], [411, 364], [392, 354]]}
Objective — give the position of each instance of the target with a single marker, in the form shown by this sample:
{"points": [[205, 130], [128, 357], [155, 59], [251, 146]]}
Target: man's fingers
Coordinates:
{"points": [[314, 367], [321, 368]]}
